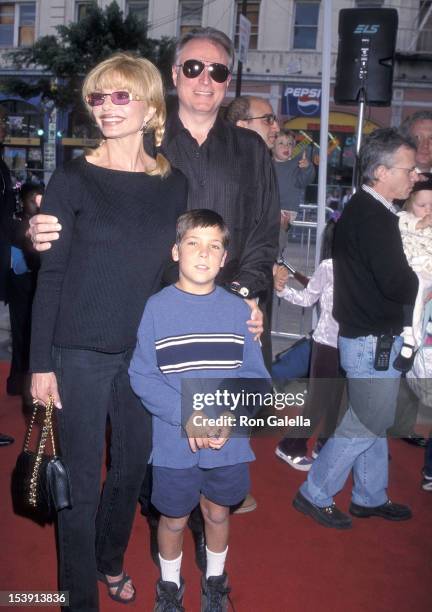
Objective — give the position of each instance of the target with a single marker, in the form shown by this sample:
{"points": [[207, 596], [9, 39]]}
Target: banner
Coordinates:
{"points": [[300, 100]]}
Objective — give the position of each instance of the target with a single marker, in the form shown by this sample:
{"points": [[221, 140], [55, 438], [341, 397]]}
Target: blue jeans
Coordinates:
{"points": [[94, 533], [359, 442]]}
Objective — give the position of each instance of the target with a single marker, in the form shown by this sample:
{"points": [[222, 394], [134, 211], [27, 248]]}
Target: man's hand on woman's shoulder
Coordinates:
{"points": [[43, 230]]}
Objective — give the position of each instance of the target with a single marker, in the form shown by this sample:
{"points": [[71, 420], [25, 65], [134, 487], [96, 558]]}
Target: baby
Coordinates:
{"points": [[415, 224]]}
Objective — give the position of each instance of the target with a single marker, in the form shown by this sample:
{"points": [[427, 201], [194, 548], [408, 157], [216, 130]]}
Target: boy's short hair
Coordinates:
{"points": [[201, 217], [288, 134]]}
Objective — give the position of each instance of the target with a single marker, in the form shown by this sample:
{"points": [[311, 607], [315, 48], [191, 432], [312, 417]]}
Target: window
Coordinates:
{"points": [[424, 41], [7, 19], [81, 10], [306, 25], [26, 29], [139, 9], [252, 13], [17, 24], [190, 15], [24, 119]]}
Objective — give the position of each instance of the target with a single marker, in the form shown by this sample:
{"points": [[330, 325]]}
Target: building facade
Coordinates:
{"points": [[283, 65]]}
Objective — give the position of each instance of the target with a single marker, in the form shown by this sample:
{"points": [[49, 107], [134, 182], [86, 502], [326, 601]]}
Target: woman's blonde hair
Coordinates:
{"points": [[141, 78]]}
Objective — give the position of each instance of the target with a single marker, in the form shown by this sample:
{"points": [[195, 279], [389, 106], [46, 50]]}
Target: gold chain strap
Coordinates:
{"points": [[47, 429]]}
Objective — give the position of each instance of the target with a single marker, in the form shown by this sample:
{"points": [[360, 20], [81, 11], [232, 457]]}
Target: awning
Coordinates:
{"points": [[338, 122]]}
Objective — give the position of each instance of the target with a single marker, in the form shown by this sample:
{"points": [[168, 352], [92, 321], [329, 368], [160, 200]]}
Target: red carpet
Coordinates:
{"points": [[279, 560]]}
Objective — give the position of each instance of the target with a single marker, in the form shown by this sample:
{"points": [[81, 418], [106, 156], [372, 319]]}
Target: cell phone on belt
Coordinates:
{"points": [[382, 352]]}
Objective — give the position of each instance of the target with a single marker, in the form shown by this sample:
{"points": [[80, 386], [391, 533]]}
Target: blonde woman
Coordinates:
{"points": [[117, 207]]}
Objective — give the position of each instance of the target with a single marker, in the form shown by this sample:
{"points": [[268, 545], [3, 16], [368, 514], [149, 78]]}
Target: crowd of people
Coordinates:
{"points": [[200, 205]]}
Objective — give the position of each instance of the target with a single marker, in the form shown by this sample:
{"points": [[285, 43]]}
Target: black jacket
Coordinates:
{"points": [[372, 278]]}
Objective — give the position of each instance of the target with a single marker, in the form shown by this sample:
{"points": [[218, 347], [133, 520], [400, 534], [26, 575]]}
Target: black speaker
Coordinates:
{"points": [[367, 39]]}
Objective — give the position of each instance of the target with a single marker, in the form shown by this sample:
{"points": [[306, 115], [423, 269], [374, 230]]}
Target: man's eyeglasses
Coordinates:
{"points": [[119, 98], [268, 118], [412, 170], [217, 72]]}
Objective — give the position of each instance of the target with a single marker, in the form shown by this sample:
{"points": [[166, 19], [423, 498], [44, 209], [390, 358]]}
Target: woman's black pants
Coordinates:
{"points": [[94, 533]]}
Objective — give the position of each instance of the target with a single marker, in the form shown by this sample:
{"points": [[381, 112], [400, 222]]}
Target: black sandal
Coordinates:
{"points": [[118, 585]]}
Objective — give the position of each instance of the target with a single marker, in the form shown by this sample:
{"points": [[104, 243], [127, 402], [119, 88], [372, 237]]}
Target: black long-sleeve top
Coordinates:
{"points": [[232, 174], [117, 232], [372, 278]]}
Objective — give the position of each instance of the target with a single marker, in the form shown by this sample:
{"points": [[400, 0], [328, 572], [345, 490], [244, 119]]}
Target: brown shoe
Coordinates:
{"points": [[248, 505]]}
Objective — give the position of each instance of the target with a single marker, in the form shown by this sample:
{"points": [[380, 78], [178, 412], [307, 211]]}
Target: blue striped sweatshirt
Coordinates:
{"points": [[185, 337]]}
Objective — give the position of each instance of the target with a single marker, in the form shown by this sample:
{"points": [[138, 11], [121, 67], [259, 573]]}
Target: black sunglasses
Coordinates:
{"points": [[269, 118], [193, 68]]}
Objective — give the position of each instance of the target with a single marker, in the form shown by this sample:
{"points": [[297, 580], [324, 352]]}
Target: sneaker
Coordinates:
{"points": [[299, 462], [169, 597], [426, 484], [215, 593], [317, 448]]}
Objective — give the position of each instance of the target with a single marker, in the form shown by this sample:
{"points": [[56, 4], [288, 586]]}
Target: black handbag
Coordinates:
{"points": [[40, 482]]}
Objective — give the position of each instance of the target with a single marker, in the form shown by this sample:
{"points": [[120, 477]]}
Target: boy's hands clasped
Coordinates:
{"points": [[206, 436]]}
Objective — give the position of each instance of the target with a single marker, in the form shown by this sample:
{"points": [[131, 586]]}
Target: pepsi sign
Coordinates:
{"points": [[301, 100]]}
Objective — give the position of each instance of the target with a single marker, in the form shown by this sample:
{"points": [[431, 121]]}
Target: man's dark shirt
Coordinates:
{"points": [[232, 174], [372, 278]]}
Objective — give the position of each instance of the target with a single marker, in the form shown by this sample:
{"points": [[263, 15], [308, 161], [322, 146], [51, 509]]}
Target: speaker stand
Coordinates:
{"points": [[359, 134]]}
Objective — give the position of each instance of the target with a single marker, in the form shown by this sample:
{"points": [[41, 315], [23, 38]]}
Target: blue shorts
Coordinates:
{"points": [[176, 492]]}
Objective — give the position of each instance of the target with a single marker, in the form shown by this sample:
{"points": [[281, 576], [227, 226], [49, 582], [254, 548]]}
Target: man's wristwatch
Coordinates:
{"points": [[239, 290]]}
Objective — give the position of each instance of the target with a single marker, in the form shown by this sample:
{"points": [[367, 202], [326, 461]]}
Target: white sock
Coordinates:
{"points": [[170, 569], [215, 562]]}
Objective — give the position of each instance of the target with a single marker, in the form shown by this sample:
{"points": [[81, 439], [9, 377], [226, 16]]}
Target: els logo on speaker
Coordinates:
{"points": [[367, 29]]}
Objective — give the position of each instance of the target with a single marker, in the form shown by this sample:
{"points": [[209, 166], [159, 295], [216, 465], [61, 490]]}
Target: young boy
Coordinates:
{"points": [[194, 330]]}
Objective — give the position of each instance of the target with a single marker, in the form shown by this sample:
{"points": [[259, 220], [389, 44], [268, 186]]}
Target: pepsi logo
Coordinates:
{"points": [[308, 105]]}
